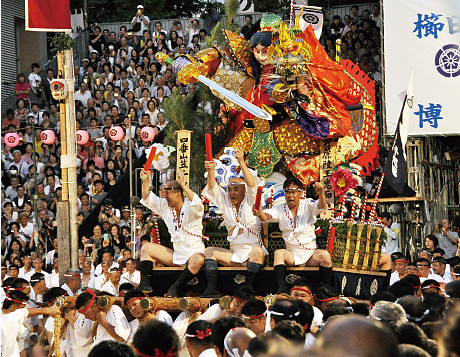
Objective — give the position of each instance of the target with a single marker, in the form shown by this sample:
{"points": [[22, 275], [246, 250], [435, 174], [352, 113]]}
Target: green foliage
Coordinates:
{"points": [[226, 23], [61, 42], [180, 115]]}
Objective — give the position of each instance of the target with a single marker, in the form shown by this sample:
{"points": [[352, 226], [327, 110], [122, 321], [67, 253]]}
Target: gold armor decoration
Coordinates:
{"points": [[261, 125], [281, 93], [292, 140], [243, 139], [264, 157]]}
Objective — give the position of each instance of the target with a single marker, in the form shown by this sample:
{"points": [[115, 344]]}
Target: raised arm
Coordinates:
{"points": [[211, 180], [187, 191], [248, 178], [145, 184], [319, 188]]}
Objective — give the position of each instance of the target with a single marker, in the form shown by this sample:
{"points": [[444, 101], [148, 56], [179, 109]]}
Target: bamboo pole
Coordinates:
{"points": [[63, 123], [375, 259], [368, 247], [358, 243], [70, 160], [346, 255]]}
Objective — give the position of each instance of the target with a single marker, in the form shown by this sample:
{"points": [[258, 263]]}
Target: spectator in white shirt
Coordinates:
{"points": [[113, 285], [83, 94], [142, 19], [107, 256], [26, 228], [37, 265], [132, 275], [72, 282]]}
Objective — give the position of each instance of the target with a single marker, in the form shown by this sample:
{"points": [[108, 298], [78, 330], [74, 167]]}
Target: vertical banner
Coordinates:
{"points": [[396, 165], [183, 153], [424, 37], [311, 15], [48, 15], [325, 170]]}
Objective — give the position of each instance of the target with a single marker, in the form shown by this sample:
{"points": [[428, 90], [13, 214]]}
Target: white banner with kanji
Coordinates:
{"points": [[424, 37]]}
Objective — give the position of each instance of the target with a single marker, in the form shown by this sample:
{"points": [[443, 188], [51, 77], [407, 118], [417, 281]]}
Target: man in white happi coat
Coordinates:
{"points": [[182, 212], [72, 282], [296, 219], [246, 246], [113, 285], [132, 300], [111, 323]]}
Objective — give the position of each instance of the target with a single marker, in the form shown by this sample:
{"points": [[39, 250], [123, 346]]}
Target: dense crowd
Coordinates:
{"points": [[121, 83]]}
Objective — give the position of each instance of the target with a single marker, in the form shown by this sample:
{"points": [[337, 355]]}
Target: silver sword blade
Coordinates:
{"points": [[235, 98]]}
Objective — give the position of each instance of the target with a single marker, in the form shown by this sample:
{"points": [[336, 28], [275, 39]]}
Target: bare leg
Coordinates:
{"points": [[195, 262], [153, 251], [320, 258], [221, 256], [284, 257], [149, 253]]}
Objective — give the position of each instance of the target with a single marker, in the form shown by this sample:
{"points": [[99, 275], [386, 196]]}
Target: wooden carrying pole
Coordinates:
{"points": [[71, 159], [68, 165]]}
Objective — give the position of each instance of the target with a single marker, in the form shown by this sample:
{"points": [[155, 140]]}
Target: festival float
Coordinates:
{"points": [[291, 107]]}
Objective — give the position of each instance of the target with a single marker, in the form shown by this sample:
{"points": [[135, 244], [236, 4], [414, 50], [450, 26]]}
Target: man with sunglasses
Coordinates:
{"points": [[182, 212], [246, 245], [296, 220]]}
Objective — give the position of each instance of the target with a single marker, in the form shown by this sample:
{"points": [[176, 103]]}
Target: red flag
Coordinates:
{"points": [[48, 15]]}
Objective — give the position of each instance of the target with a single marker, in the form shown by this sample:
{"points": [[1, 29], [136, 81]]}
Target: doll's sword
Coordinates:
{"points": [[235, 98]]}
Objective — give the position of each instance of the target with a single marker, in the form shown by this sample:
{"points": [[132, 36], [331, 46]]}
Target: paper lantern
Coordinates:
{"points": [[58, 88], [147, 133], [47, 136], [82, 137], [116, 133], [11, 139]]}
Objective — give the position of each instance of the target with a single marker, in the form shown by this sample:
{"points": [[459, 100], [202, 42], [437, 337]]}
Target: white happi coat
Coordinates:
{"points": [[299, 236], [242, 226], [186, 230]]}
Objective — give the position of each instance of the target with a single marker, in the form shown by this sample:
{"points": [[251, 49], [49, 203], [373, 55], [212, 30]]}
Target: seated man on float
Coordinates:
{"points": [[246, 246], [296, 220], [182, 212]]}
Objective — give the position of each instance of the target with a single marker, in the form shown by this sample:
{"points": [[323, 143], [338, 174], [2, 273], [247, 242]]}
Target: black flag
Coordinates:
{"points": [[396, 165]]}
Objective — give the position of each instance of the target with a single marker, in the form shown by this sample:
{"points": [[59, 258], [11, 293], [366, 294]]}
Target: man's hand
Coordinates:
{"points": [[239, 155], [180, 177], [318, 186], [144, 175], [101, 317], [69, 313], [444, 230], [54, 311], [209, 165]]}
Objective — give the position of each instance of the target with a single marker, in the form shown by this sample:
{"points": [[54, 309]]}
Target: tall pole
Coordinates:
{"points": [[35, 196], [131, 208], [71, 159]]}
